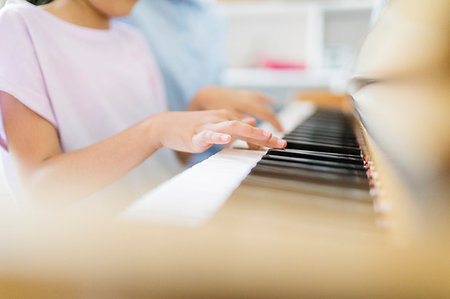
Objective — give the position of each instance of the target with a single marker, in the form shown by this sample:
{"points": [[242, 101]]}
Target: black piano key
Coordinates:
{"points": [[326, 127], [328, 132], [315, 168], [321, 141], [360, 168], [323, 133], [317, 137], [305, 175], [309, 187], [323, 150], [322, 147], [349, 159]]}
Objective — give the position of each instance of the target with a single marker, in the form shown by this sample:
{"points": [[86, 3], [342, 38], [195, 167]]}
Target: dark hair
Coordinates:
{"points": [[39, 2]]}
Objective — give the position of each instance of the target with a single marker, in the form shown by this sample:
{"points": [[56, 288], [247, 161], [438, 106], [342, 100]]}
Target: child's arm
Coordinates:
{"points": [[46, 173]]}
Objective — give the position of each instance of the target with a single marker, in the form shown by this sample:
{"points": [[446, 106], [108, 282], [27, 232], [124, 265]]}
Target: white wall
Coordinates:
{"points": [[317, 33], [267, 28]]}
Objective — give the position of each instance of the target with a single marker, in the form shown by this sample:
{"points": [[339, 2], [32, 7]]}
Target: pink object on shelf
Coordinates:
{"points": [[281, 65]]}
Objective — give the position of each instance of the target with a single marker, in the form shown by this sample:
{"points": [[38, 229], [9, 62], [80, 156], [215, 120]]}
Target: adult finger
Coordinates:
{"points": [[226, 114], [249, 120], [266, 99], [263, 112]]}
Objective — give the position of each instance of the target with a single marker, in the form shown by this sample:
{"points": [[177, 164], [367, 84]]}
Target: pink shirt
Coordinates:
{"points": [[89, 83]]}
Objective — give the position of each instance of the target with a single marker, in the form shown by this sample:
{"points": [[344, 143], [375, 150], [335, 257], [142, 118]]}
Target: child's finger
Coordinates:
{"points": [[254, 147], [241, 129], [273, 142], [248, 133], [207, 138]]}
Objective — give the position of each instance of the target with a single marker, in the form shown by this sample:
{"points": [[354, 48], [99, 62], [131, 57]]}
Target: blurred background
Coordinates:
{"points": [[281, 46]]}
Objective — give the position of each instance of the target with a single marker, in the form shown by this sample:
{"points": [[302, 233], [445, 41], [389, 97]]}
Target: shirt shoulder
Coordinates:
{"points": [[15, 19], [20, 70], [16, 10], [15, 36]]}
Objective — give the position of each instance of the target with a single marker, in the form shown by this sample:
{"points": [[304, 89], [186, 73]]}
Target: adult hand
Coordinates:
{"points": [[243, 102]]}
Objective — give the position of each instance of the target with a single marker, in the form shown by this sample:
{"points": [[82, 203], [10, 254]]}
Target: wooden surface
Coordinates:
{"points": [[101, 259]]}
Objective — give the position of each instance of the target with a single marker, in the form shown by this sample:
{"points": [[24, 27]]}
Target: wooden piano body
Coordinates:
{"points": [[266, 241]]}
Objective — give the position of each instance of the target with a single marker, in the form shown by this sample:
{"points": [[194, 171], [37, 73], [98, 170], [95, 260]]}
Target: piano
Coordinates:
{"points": [[323, 168], [357, 205], [344, 151]]}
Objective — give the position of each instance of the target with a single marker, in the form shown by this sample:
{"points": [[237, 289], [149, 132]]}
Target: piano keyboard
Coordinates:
{"points": [[322, 157]]}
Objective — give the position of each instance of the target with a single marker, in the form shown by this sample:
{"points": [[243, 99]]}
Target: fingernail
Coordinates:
{"points": [[281, 143], [225, 138]]}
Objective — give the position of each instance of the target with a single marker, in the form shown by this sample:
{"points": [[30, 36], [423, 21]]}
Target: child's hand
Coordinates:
{"points": [[238, 101], [195, 132]]}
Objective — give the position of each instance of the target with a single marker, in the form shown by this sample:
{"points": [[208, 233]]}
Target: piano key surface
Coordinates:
{"points": [[320, 165], [320, 183], [332, 182]]}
